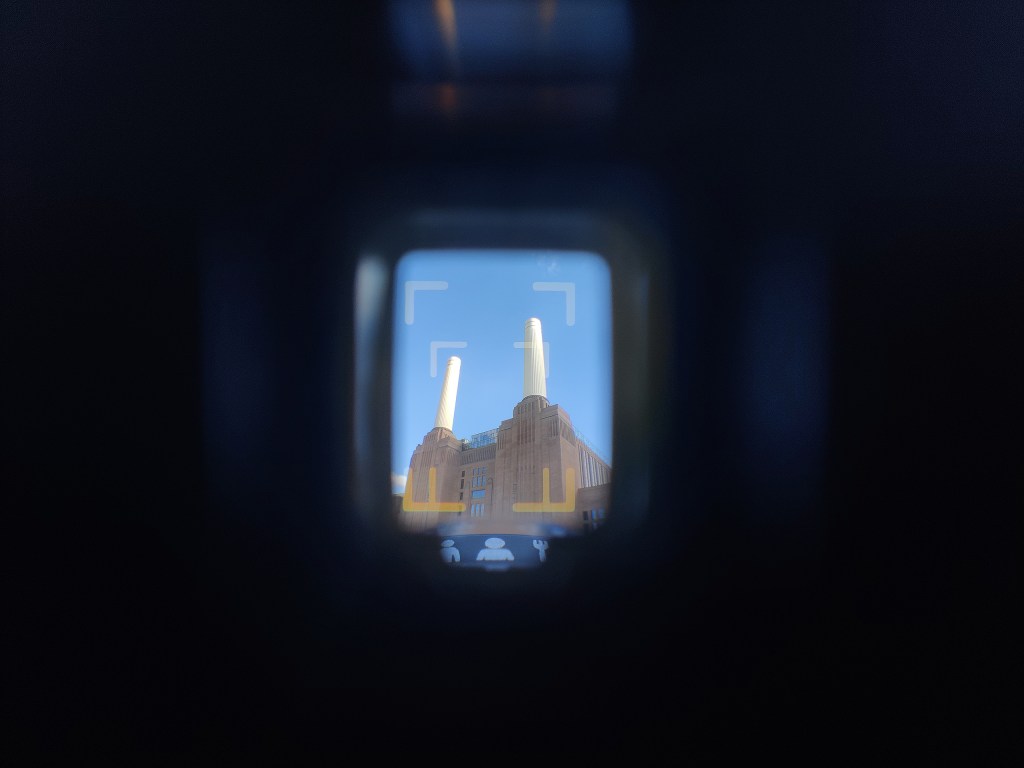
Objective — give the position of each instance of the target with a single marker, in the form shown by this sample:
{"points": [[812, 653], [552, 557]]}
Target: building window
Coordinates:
{"points": [[462, 483], [478, 494], [460, 495], [479, 477]]}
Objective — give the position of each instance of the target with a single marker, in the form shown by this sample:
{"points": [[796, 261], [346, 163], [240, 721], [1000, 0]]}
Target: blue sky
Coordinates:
{"points": [[489, 296]]}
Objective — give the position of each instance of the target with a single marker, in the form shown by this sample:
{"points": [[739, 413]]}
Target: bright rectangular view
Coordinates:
{"points": [[501, 401]]}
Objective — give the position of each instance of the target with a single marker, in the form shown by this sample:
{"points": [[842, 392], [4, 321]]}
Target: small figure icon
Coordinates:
{"points": [[540, 545], [448, 551], [494, 550]]}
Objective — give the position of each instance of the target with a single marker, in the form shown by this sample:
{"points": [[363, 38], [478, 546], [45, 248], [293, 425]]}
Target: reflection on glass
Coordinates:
{"points": [[501, 347]]}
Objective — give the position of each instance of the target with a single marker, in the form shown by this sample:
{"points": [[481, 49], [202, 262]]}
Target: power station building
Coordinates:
{"points": [[533, 474]]}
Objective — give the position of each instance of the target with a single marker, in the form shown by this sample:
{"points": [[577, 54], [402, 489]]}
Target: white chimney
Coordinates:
{"points": [[533, 370], [446, 406]]}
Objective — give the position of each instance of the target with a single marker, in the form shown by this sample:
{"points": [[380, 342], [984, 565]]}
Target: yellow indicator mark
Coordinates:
{"points": [[431, 504], [546, 505]]}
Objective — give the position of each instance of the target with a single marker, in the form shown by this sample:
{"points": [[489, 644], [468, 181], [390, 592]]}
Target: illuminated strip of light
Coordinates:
{"points": [[445, 10]]}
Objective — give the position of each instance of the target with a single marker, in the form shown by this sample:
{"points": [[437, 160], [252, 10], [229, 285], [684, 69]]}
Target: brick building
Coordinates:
{"points": [[533, 474]]}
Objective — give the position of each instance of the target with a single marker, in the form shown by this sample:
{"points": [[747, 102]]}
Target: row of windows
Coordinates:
{"points": [[476, 510], [479, 478], [593, 518]]}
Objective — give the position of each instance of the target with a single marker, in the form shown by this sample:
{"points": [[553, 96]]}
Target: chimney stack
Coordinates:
{"points": [[533, 371], [446, 406]]}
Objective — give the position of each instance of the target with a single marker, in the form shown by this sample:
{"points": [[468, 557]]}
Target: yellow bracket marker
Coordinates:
{"points": [[431, 504], [546, 505]]}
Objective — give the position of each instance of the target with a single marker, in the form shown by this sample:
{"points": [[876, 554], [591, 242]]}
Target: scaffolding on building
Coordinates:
{"points": [[480, 439]]}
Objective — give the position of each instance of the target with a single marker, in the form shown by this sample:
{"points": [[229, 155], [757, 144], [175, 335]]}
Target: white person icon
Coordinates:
{"points": [[494, 549], [448, 551]]}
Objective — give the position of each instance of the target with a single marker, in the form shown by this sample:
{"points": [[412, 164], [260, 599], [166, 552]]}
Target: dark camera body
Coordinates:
{"points": [[815, 390]]}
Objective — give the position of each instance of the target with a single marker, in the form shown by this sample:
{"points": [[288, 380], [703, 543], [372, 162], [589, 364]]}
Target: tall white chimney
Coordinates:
{"points": [[446, 406], [533, 370]]}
